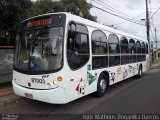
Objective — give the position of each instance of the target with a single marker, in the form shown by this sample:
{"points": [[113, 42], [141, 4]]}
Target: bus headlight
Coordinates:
{"points": [[59, 79], [55, 82]]}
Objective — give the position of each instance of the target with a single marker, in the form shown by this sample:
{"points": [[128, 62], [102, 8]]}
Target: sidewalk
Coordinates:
{"points": [[6, 92], [156, 66], [7, 96], [5, 77]]}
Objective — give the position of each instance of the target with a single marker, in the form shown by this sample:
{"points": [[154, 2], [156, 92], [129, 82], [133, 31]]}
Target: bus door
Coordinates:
{"points": [[78, 59]]}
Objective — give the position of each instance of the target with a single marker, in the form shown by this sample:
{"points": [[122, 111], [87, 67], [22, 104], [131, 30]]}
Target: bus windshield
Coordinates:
{"points": [[39, 49]]}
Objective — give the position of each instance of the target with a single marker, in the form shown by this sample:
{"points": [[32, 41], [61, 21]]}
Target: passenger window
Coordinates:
{"points": [[146, 48], [124, 59], [139, 50], [114, 60], [99, 47], [138, 46], [124, 45], [99, 61], [132, 47], [99, 42], [124, 50], [143, 48], [114, 50], [113, 44]]}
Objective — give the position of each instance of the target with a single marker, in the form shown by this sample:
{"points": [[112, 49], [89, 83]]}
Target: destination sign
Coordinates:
{"points": [[39, 22]]}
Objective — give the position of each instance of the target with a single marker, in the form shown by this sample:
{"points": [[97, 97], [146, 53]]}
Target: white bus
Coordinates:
{"points": [[61, 57]]}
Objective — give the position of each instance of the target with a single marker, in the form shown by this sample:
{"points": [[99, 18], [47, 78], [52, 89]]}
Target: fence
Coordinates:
{"points": [[6, 63]]}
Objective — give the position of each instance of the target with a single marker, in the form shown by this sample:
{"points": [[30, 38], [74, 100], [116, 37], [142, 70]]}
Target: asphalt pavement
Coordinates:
{"points": [[142, 97]]}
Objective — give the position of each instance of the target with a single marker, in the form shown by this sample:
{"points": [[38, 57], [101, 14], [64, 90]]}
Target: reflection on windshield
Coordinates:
{"points": [[39, 49]]}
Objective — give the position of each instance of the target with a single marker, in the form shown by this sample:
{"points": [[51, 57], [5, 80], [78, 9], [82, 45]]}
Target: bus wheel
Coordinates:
{"points": [[101, 86], [139, 72]]}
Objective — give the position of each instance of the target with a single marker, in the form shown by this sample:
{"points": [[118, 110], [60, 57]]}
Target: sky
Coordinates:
{"points": [[134, 9]]}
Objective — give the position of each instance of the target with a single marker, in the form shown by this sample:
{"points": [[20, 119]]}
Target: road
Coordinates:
{"points": [[130, 96], [142, 97]]}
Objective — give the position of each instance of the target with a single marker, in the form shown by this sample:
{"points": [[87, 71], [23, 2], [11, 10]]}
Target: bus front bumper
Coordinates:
{"points": [[54, 96]]}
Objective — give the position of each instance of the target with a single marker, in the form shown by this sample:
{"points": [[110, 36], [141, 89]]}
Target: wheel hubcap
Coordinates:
{"points": [[103, 85]]}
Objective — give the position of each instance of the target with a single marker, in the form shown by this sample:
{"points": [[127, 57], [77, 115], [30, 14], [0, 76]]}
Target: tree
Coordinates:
{"points": [[77, 7], [45, 6], [12, 12], [41, 7]]}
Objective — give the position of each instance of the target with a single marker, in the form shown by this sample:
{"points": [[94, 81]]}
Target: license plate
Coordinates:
{"points": [[28, 95]]}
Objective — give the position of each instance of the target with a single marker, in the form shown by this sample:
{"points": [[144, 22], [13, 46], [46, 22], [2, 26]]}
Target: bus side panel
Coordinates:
{"points": [[122, 72]]}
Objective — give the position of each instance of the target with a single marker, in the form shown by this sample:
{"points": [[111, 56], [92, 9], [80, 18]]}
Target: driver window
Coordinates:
{"points": [[77, 46]]}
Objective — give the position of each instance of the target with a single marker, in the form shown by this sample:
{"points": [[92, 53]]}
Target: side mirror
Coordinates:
{"points": [[72, 29], [72, 36], [72, 26]]}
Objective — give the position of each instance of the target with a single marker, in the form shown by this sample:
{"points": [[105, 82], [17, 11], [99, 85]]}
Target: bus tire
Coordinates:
{"points": [[101, 86], [139, 75]]}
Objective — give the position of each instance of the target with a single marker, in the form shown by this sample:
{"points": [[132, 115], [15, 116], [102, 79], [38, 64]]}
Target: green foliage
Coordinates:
{"points": [[45, 6], [77, 7], [41, 7], [5, 85], [155, 61], [12, 12], [1, 33]]}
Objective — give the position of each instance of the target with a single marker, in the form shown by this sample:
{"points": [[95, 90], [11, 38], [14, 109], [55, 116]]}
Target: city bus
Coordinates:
{"points": [[60, 57]]}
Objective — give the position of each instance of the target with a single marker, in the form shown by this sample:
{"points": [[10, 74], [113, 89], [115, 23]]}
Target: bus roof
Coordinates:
{"points": [[92, 24]]}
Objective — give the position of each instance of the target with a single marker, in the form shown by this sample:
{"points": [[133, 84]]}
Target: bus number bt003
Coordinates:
{"points": [[35, 80]]}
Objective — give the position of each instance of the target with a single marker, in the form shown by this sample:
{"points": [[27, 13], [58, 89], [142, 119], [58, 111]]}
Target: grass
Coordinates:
{"points": [[5, 85], [155, 61], [5, 80]]}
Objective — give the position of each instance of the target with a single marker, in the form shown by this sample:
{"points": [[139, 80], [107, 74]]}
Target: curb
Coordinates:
{"points": [[7, 96], [9, 99]]}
